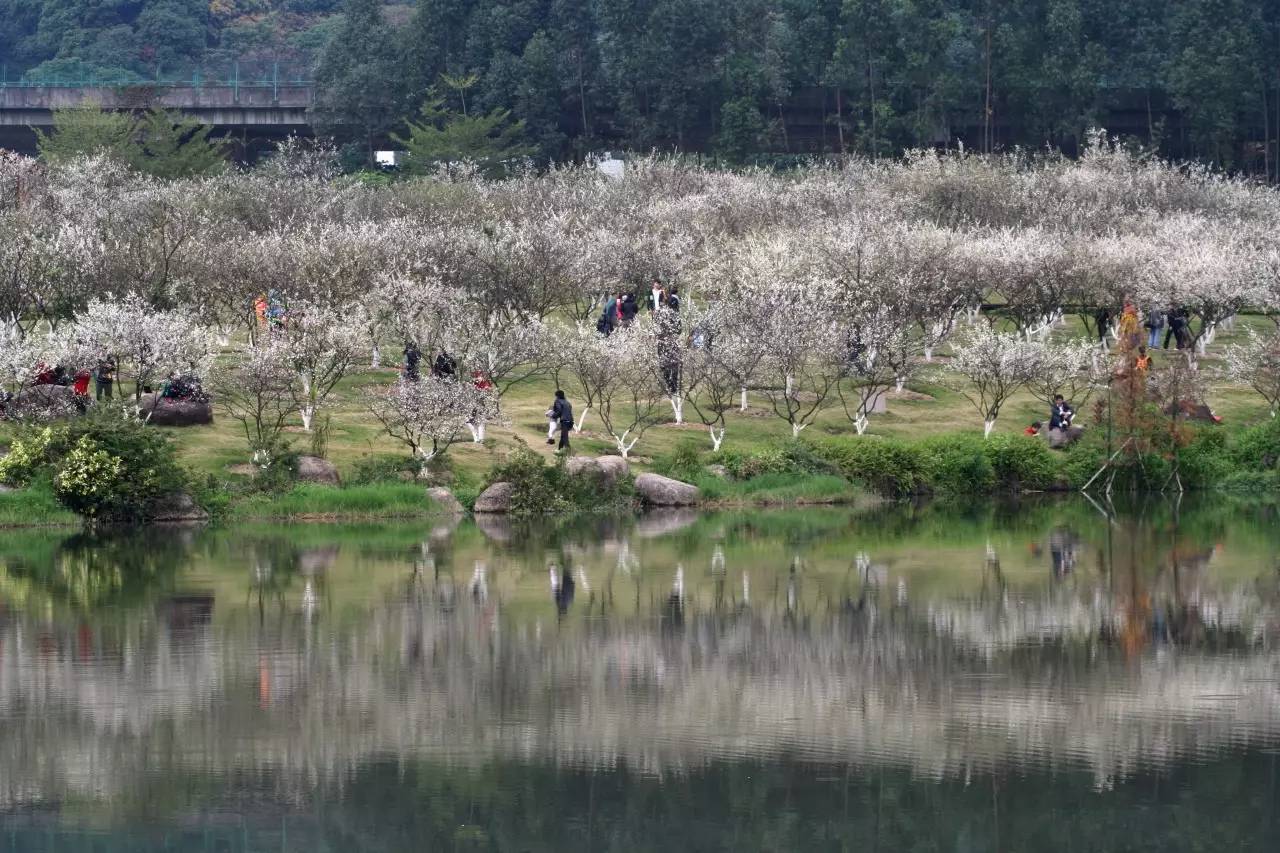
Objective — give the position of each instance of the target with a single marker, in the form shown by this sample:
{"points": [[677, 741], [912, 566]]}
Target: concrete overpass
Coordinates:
{"points": [[253, 114]]}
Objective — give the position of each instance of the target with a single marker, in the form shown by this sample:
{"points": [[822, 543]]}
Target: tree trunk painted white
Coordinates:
{"points": [[376, 361], [860, 424], [477, 431], [425, 458], [796, 428], [677, 406], [717, 438], [577, 427], [624, 447], [308, 412], [742, 405], [790, 382], [899, 382], [928, 354], [987, 426], [223, 339]]}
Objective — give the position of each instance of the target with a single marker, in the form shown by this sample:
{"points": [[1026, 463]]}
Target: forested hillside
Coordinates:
{"points": [[738, 78], [124, 40]]}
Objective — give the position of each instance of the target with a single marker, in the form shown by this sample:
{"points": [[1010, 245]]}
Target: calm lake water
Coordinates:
{"points": [[1035, 677]]}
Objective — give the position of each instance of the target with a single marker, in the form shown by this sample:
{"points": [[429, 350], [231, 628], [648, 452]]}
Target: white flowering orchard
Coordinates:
{"points": [[825, 288]]}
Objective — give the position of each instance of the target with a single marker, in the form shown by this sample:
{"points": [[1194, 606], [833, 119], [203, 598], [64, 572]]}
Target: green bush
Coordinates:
{"points": [[383, 469], [541, 488], [1258, 447], [790, 457], [1206, 461], [1251, 481], [29, 455], [1021, 462], [888, 467], [958, 464], [683, 463], [102, 467]]}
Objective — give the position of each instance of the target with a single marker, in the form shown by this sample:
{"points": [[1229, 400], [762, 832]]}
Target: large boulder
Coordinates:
{"points": [[1062, 438], [313, 469], [160, 411], [444, 500], [657, 490], [583, 466], [496, 498], [48, 401], [614, 468], [178, 508]]}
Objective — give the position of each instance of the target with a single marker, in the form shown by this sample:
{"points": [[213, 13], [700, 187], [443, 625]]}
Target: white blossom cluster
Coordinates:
{"points": [[822, 288]]}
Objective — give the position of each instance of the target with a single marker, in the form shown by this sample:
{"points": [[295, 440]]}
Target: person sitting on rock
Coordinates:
{"points": [[1061, 415]]}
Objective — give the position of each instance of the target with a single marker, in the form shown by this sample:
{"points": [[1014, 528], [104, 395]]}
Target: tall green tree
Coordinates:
{"points": [[439, 136], [358, 90], [158, 142], [89, 129], [172, 145]]}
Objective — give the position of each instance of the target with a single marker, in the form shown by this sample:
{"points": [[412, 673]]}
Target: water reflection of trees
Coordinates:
{"points": [[1114, 663]]}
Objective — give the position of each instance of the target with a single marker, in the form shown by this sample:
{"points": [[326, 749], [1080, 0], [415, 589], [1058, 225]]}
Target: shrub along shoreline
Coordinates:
{"points": [[109, 471]]}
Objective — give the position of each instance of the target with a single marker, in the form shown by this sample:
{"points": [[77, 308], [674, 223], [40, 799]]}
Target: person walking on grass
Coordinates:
{"points": [[1155, 325], [562, 412]]}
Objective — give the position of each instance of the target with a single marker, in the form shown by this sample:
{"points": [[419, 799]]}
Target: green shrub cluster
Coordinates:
{"points": [[539, 487], [103, 467], [791, 457]]}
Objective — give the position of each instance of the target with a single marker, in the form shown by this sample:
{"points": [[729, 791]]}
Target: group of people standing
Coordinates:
{"points": [[620, 309], [103, 376], [1176, 325]]}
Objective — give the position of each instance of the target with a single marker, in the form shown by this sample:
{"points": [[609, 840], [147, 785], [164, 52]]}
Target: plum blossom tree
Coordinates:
{"points": [[717, 366], [257, 389], [1256, 362], [628, 388], [1073, 369], [147, 343], [429, 415], [994, 366], [581, 354], [323, 344]]}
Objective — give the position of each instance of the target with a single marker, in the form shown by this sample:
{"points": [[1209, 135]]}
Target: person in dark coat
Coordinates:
{"points": [[412, 358], [445, 366], [562, 411], [1061, 414], [628, 309]]}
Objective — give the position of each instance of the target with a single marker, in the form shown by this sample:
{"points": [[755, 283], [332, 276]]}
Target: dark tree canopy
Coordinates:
{"points": [[748, 81]]}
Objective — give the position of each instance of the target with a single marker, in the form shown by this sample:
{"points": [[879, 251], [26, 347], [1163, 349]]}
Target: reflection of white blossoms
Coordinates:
{"points": [[432, 676]]}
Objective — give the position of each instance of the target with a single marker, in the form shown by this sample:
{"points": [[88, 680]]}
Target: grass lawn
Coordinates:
{"points": [[929, 408]]}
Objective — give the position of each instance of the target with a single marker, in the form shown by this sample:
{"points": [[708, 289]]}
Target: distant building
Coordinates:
{"points": [[390, 159], [612, 166]]}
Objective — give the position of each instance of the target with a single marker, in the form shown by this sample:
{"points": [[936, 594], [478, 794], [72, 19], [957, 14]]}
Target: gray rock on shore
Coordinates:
{"points": [[496, 498], [313, 469], [444, 500], [657, 490], [609, 470], [178, 508]]}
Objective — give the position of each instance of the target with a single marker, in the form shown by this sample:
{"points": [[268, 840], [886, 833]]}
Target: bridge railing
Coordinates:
{"points": [[233, 79]]}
